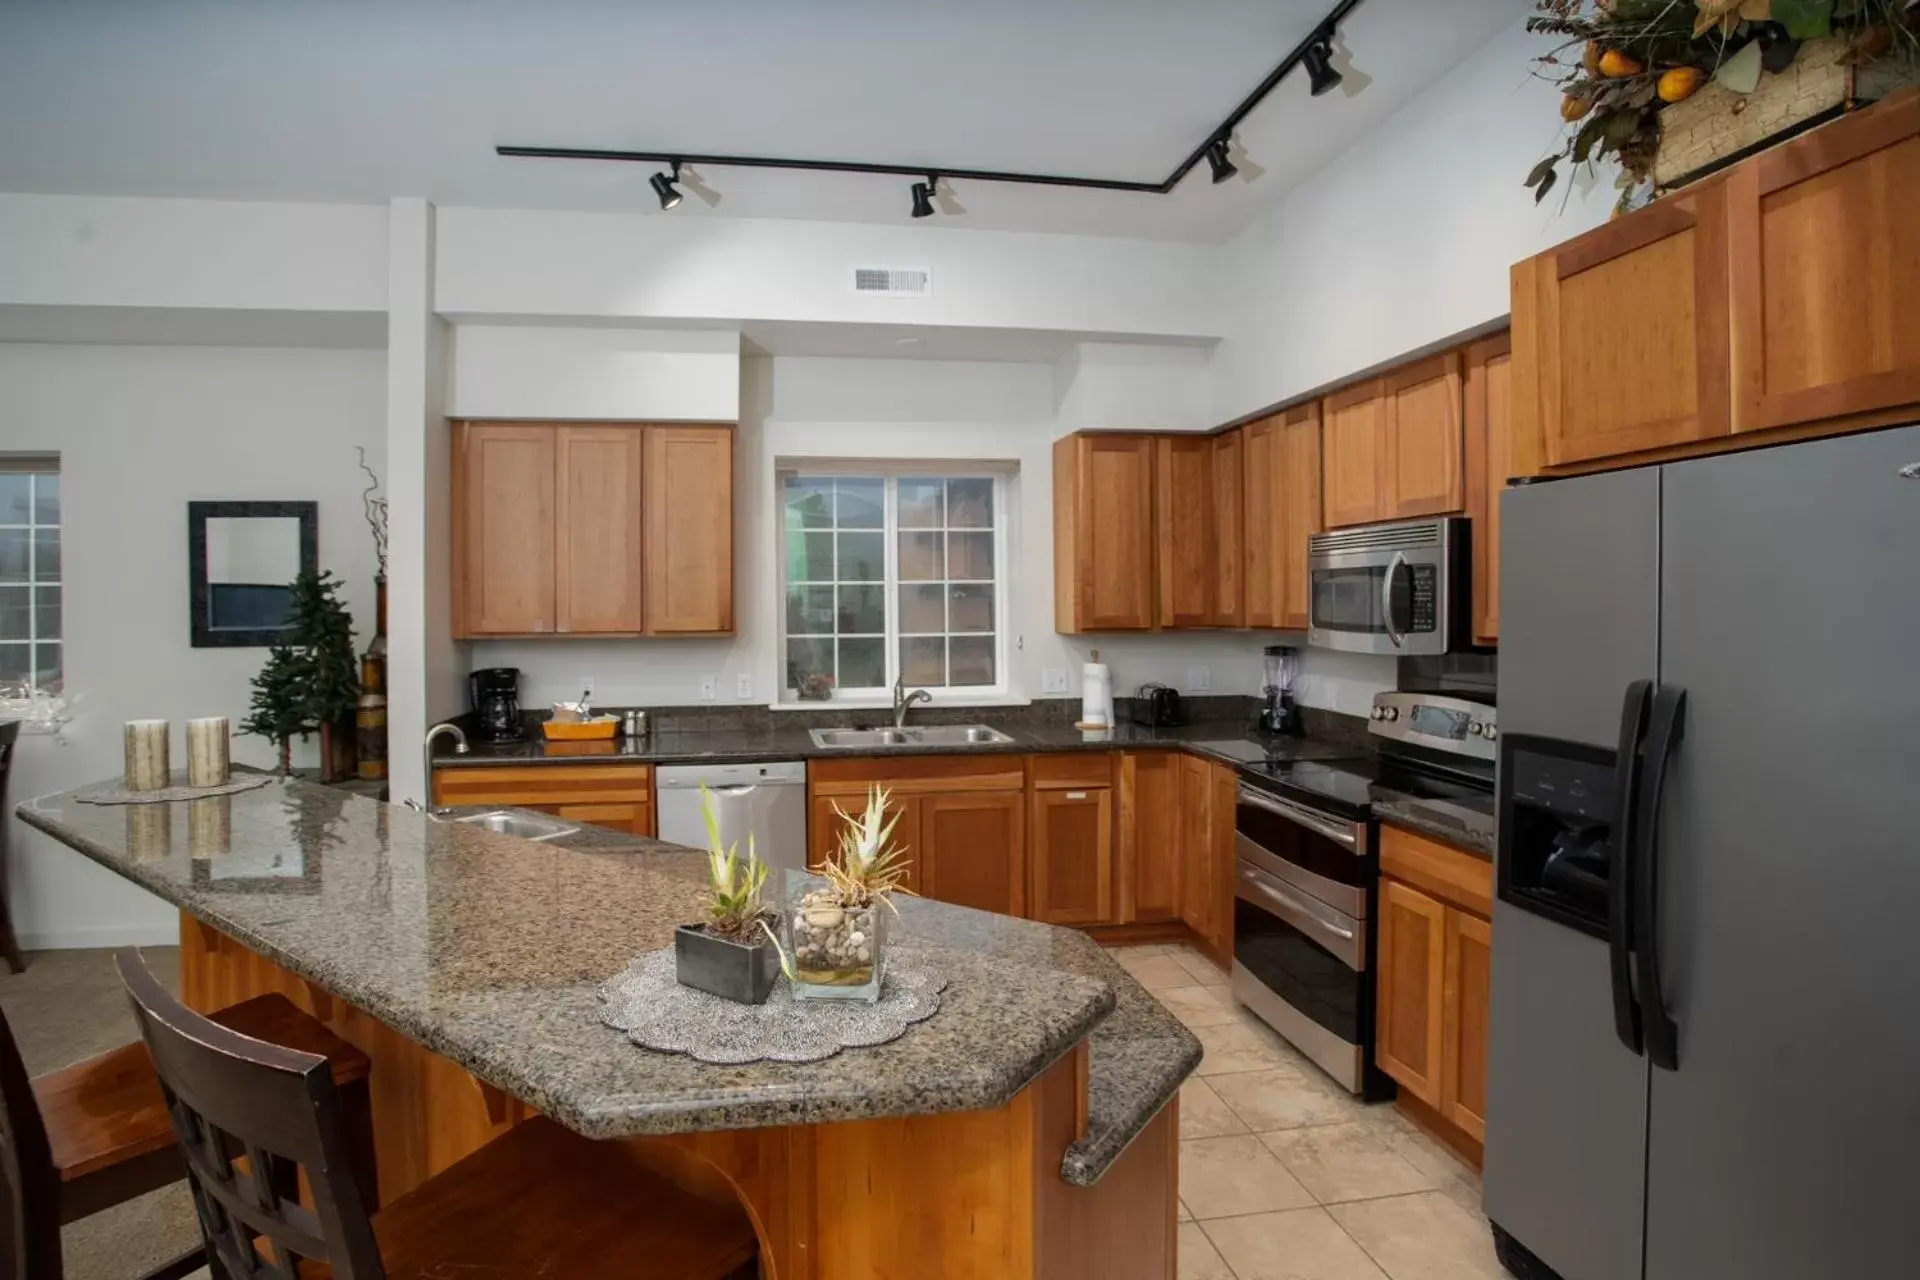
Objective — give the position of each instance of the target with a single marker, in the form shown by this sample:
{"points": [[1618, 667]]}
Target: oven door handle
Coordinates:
{"points": [[1343, 940], [1394, 566], [1341, 835]]}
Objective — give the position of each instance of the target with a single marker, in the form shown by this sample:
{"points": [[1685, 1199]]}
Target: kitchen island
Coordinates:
{"points": [[1028, 1129]]}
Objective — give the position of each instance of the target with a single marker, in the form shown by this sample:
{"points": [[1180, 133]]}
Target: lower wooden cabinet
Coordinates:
{"points": [[1071, 846], [619, 796], [1468, 1005], [1206, 844], [1149, 851], [972, 849], [1410, 993]]}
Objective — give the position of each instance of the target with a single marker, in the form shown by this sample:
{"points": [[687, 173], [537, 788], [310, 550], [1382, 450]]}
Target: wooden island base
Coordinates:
{"points": [[974, 1194]]}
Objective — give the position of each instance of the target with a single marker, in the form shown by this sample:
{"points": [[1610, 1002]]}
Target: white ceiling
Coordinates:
{"points": [[360, 100]]}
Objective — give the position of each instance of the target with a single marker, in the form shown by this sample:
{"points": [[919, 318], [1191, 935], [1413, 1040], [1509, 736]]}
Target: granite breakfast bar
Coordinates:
{"points": [[1027, 1130]]}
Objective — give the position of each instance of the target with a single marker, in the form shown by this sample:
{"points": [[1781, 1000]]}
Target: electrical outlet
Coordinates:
{"points": [[743, 686], [1199, 679], [1053, 679], [709, 688]]}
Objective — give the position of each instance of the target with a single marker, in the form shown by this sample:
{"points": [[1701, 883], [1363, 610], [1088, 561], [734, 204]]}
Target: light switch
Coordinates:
{"points": [[743, 686], [1199, 680]]}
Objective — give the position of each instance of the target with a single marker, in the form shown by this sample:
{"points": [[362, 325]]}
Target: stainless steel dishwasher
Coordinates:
{"points": [[766, 801]]}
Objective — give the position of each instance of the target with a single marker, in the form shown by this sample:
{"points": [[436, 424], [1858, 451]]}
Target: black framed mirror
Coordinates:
{"points": [[242, 558]]}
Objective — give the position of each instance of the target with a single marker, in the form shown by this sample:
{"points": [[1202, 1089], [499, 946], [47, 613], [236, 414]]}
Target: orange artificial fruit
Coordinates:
{"points": [[1616, 65], [1574, 107], [1677, 84]]}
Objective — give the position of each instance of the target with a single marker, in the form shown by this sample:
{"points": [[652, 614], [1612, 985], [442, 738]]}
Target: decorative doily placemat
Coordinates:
{"points": [[115, 793], [656, 1012]]}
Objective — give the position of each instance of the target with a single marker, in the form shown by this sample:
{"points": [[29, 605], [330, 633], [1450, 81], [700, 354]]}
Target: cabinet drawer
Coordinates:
{"points": [[546, 785], [1453, 875], [915, 775], [1073, 769]]}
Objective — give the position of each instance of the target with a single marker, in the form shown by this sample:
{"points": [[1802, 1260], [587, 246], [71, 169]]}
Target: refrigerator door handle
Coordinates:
{"points": [[1667, 727], [1620, 900], [1386, 596]]}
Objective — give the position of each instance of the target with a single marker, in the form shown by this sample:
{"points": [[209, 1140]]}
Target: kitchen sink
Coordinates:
{"points": [[932, 735], [528, 826]]}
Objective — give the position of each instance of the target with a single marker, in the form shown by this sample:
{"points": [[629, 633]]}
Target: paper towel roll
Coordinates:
{"points": [[1096, 694]]}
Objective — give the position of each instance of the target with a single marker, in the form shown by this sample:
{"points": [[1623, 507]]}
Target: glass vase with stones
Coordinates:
{"points": [[839, 951]]}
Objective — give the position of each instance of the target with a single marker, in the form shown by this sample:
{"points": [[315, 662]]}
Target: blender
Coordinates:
{"points": [[1277, 712]]}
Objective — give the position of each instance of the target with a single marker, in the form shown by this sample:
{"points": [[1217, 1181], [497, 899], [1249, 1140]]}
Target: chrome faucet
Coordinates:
{"points": [[903, 700], [426, 758]]}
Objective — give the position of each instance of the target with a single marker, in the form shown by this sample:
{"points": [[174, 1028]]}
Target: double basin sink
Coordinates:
{"points": [[932, 735], [528, 826]]}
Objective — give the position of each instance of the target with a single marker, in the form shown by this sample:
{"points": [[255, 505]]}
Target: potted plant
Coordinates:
{"points": [[837, 931], [732, 953]]}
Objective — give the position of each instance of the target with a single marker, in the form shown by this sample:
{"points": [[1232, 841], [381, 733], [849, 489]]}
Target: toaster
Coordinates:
{"points": [[1156, 706]]}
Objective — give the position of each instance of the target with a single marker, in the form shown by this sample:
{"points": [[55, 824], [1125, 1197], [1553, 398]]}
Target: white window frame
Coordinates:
{"points": [[892, 472], [37, 465]]}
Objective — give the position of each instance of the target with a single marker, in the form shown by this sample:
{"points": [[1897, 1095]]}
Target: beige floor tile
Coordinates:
{"points": [[1243, 1046], [1203, 1114], [1357, 1161], [1224, 1177], [1466, 1195], [1199, 1260], [1421, 1237], [1141, 951], [1285, 1099], [1304, 1244], [1181, 1213], [1199, 1006], [1158, 973], [1204, 971], [1428, 1154]]}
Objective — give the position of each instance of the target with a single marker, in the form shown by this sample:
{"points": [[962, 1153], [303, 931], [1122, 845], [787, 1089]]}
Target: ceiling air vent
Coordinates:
{"points": [[893, 282]]}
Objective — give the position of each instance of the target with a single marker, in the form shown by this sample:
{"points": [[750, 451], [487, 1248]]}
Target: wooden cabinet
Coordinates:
{"points": [[1433, 989], [824, 825], [1071, 850], [1824, 251], [1490, 427], [1421, 471], [689, 513], [1103, 532], [1226, 513], [1299, 517], [1184, 561], [617, 529], [619, 796], [596, 530], [1353, 444], [1263, 555], [1206, 844], [1150, 843], [504, 528]]}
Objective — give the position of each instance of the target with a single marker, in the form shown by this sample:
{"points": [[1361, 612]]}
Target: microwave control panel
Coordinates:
{"points": [[1425, 603]]}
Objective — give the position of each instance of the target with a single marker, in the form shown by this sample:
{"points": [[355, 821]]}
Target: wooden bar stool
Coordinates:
{"points": [[538, 1201], [96, 1134], [9, 944]]}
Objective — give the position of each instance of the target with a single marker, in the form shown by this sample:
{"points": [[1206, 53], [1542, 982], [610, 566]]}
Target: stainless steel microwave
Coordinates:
{"points": [[1398, 589]]}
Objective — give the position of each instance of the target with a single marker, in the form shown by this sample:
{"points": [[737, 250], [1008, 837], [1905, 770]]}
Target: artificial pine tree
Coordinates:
{"points": [[319, 626], [279, 709]]}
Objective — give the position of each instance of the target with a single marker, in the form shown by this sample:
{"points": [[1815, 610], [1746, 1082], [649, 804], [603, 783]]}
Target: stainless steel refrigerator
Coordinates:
{"points": [[1705, 1040]]}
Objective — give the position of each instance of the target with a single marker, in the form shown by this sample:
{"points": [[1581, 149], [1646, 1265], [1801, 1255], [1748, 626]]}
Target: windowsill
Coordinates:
{"points": [[886, 704]]}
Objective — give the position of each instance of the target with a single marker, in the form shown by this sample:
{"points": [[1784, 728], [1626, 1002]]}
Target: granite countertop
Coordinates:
{"points": [[1468, 827], [490, 950]]}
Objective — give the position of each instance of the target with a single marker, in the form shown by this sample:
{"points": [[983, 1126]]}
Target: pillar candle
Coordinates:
{"points": [[148, 768], [207, 746]]}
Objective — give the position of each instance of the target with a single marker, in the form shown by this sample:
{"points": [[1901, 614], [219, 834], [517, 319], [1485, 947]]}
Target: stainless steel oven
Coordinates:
{"points": [[1398, 589], [1303, 879]]}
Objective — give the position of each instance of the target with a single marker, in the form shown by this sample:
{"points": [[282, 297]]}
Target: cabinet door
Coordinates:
{"points": [[689, 509], [1149, 837], [1071, 855], [1421, 473], [1183, 527], [1299, 510], [1103, 533], [1263, 581], [1353, 447], [1633, 331], [973, 849], [504, 522], [1410, 990], [1229, 532], [1196, 845], [636, 819], [1824, 240], [1489, 466], [824, 826], [1463, 1066], [598, 535]]}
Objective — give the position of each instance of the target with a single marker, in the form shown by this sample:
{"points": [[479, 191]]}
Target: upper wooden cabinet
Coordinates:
{"points": [[1226, 511], [1353, 446], [1391, 446], [1281, 459], [1184, 530], [689, 508], [615, 529], [1489, 466], [1824, 243], [1103, 539], [1300, 517]]}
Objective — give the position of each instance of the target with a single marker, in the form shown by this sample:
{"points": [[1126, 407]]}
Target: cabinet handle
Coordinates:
{"points": [[1076, 795]]}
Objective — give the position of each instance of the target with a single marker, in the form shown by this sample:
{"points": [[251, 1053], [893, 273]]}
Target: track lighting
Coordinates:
{"points": [[1318, 60], [923, 196], [670, 195], [1223, 167]]}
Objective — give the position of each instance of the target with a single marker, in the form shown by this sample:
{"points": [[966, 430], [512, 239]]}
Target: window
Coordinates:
{"points": [[30, 651], [894, 575]]}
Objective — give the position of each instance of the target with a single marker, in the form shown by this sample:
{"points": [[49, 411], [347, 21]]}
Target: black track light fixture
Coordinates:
{"points": [[1217, 158], [670, 195], [923, 196], [1318, 60]]}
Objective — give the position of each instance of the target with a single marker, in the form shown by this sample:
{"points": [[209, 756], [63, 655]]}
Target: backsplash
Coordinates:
{"points": [[1466, 675]]}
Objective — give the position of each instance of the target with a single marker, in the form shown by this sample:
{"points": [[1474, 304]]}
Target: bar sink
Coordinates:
{"points": [[528, 826]]}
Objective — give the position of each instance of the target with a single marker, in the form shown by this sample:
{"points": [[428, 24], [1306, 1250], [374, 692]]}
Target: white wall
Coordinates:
{"points": [[141, 431], [659, 375], [1402, 241], [888, 409], [1132, 386]]}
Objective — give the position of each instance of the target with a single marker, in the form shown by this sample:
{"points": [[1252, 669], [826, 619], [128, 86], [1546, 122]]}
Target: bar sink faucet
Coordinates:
{"points": [[902, 700], [426, 757]]}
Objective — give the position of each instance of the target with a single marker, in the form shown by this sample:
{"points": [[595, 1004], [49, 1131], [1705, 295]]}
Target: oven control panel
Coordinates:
{"points": [[1459, 725]]}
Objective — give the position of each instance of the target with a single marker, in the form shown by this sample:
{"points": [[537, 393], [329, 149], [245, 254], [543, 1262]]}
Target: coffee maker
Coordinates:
{"points": [[1277, 712], [495, 693]]}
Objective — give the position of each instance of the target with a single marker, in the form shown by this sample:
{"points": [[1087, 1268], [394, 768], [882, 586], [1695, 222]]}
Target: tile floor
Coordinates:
{"points": [[1286, 1176]]}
